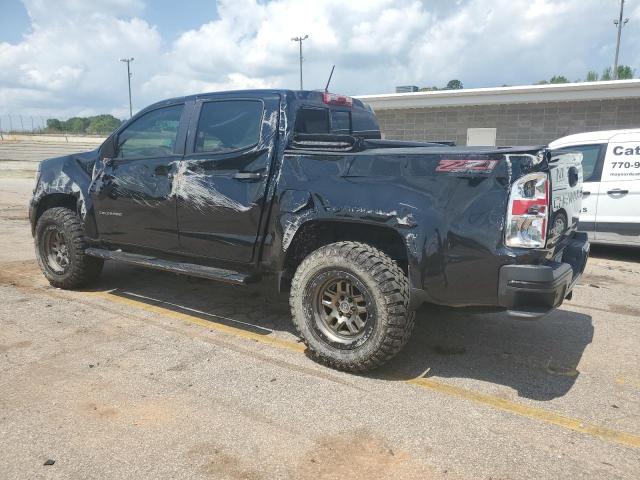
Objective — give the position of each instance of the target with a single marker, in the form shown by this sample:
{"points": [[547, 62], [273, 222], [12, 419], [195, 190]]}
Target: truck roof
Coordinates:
{"points": [[602, 136], [302, 95]]}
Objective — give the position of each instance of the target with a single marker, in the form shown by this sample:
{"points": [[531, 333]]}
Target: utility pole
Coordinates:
{"points": [[619, 23], [128, 62], [300, 40]]}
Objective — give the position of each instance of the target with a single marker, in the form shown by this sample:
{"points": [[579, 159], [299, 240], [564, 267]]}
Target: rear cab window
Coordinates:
{"points": [[318, 121]]}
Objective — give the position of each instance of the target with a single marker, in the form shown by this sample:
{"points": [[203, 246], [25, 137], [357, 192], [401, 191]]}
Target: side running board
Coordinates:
{"points": [[191, 269]]}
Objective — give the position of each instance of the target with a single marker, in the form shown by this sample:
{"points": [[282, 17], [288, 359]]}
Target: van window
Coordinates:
{"points": [[312, 120], [590, 156]]}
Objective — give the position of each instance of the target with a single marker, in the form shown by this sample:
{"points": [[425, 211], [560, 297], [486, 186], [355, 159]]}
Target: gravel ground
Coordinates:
{"points": [[152, 375]]}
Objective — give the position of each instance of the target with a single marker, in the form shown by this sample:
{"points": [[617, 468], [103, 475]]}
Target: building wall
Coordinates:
{"points": [[519, 124]]}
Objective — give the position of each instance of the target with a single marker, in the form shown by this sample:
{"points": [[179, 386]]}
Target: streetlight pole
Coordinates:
{"points": [[619, 23], [128, 62], [300, 40]]}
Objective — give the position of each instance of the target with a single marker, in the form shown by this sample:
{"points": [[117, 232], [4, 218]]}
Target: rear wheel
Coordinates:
{"points": [[350, 304], [60, 249]]}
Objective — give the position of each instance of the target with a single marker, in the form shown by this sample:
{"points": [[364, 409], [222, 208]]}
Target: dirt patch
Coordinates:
{"points": [[141, 413], [14, 346], [24, 273], [14, 212], [359, 455], [99, 410], [214, 462], [625, 310], [597, 280]]}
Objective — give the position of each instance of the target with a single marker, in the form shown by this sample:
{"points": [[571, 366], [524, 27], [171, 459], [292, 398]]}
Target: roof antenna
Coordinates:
{"points": [[326, 89]]}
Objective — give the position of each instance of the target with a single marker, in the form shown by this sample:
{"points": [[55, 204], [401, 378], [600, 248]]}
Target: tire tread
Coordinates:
{"points": [[393, 286], [83, 269]]}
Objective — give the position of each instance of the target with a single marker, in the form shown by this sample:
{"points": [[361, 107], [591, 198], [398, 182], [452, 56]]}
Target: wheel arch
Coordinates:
{"points": [[52, 200], [316, 233]]}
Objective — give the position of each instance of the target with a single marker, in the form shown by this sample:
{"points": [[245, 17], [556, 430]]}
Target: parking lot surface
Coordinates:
{"points": [[153, 375]]}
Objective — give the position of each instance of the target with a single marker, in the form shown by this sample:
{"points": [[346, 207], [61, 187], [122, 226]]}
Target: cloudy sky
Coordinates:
{"points": [[60, 57]]}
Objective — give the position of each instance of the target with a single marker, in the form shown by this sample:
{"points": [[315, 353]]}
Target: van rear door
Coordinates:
{"points": [[618, 215], [592, 158]]}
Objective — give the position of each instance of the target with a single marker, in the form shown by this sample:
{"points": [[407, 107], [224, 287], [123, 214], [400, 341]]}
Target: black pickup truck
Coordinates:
{"points": [[298, 188]]}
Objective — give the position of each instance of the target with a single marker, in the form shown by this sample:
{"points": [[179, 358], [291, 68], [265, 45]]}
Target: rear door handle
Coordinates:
{"points": [[585, 194], [247, 175], [617, 191]]}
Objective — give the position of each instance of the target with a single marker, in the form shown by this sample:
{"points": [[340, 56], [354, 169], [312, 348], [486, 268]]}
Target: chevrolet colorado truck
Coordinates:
{"points": [[299, 189]]}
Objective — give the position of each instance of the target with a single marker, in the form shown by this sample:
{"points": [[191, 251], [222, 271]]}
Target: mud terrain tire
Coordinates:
{"points": [[333, 285], [60, 244]]}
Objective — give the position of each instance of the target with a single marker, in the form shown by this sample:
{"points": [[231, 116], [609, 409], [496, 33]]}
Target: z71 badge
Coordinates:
{"points": [[466, 166]]}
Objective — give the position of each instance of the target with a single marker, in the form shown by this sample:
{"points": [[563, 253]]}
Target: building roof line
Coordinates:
{"points": [[560, 92]]}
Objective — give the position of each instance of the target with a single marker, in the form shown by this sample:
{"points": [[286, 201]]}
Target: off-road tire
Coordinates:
{"points": [[82, 269], [388, 290]]}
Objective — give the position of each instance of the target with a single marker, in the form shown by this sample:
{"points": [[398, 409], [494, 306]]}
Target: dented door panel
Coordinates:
{"points": [[451, 221], [134, 201], [221, 195]]}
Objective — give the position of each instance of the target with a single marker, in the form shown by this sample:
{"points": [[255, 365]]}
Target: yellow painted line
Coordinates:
{"points": [[539, 414], [268, 340], [487, 400]]}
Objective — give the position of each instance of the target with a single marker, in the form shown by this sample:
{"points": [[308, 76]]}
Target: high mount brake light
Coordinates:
{"points": [[334, 99], [528, 212]]}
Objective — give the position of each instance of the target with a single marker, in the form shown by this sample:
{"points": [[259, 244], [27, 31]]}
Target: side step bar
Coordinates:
{"points": [[191, 269]]}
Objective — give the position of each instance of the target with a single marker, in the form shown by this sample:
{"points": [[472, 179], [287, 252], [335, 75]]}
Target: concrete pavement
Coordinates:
{"points": [[151, 375]]}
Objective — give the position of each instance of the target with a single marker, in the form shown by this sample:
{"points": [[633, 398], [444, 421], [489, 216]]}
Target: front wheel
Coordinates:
{"points": [[350, 304], [60, 249]]}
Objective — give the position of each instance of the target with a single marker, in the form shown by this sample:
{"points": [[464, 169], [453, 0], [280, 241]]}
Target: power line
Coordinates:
{"points": [[300, 40]]}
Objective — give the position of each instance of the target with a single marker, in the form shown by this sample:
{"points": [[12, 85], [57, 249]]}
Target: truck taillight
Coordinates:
{"points": [[334, 99], [528, 212]]}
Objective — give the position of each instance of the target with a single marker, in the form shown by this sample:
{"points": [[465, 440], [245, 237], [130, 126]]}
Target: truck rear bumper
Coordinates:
{"points": [[531, 291]]}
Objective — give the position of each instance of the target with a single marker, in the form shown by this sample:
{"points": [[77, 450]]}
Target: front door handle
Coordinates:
{"points": [[251, 176], [617, 191], [585, 194]]}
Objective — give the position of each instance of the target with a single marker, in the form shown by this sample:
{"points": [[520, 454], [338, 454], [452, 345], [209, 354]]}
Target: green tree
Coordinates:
{"points": [[542, 82], [592, 76], [76, 124], [606, 74], [558, 79], [454, 85], [625, 72], [54, 125], [102, 124]]}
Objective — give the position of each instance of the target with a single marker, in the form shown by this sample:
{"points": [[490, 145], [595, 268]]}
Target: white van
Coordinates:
{"points": [[611, 184]]}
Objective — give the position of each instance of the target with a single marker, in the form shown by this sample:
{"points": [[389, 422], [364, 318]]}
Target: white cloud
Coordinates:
{"points": [[69, 61]]}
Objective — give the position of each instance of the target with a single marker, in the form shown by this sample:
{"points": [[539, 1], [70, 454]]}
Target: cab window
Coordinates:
{"points": [[152, 135], [340, 122], [323, 121], [228, 125], [312, 120]]}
